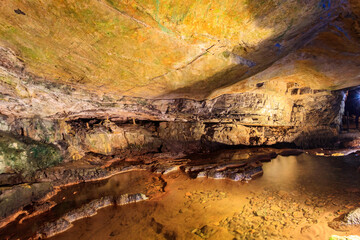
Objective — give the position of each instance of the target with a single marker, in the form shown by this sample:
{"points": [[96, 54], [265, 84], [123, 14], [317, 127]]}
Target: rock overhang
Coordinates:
{"points": [[172, 49]]}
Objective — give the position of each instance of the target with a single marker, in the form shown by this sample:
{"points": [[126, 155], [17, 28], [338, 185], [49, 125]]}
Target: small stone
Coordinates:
{"points": [[114, 233], [283, 194], [353, 217], [305, 229], [298, 214], [275, 208], [320, 204]]}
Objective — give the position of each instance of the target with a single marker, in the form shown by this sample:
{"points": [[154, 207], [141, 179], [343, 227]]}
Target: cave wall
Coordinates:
{"points": [[78, 121], [272, 112], [274, 75]]}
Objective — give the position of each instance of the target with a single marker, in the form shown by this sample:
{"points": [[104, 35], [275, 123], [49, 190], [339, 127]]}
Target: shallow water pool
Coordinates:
{"points": [[297, 197]]}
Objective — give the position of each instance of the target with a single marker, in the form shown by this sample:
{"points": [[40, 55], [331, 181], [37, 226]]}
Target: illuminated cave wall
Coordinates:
{"points": [[272, 112]]}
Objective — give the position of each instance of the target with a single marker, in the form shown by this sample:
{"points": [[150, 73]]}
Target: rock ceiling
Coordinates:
{"points": [[195, 48]]}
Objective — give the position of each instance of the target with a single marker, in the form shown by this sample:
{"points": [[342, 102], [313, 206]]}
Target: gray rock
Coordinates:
{"points": [[53, 228], [353, 217], [130, 198]]}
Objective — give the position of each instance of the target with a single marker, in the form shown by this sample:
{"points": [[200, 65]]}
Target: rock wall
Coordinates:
{"points": [[272, 112], [78, 121], [23, 155]]}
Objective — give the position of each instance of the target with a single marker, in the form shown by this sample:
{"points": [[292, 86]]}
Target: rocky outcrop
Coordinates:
{"points": [[346, 221], [221, 94], [233, 171], [272, 84], [271, 112], [242, 97], [80, 121], [353, 217], [25, 156]]}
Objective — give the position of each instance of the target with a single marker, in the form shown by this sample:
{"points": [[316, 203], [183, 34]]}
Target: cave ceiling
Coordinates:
{"points": [[194, 49]]}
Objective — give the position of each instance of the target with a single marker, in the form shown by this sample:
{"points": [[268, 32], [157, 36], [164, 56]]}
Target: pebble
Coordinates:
{"points": [[298, 214]]}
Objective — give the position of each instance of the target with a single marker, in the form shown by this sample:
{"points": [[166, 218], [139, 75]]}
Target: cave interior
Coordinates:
{"points": [[171, 119]]}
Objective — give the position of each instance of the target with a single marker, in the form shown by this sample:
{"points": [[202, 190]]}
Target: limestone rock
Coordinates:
{"points": [[130, 198], [26, 156], [53, 228], [232, 134], [179, 41], [19, 196], [263, 73], [64, 223], [353, 217]]}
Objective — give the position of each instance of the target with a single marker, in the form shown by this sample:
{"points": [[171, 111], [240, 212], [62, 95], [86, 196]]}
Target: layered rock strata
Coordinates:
{"points": [[262, 110], [270, 113]]}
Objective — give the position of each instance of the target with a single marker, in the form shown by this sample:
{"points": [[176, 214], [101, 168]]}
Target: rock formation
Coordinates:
{"points": [[105, 79]]}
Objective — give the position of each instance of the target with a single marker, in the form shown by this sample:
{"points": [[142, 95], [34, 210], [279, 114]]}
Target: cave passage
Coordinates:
{"points": [[173, 119], [352, 110]]}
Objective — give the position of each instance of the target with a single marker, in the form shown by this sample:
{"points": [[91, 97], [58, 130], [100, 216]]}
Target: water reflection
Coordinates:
{"points": [[76, 196], [314, 173], [296, 198]]}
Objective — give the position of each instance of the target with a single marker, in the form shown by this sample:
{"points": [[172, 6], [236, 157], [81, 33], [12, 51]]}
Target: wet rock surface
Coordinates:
{"points": [[201, 197], [23, 156], [206, 208], [236, 165], [235, 172], [59, 211], [248, 210], [87, 210], [353, 217], [347, 220], [14, 199], [271, 215], [71, 174]]}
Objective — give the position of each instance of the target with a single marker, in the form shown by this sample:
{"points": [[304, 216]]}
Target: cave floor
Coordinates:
{"points": [[297, 197]]}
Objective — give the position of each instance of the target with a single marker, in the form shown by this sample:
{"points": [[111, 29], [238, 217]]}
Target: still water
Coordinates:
{"points": [[297, 197]]}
